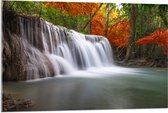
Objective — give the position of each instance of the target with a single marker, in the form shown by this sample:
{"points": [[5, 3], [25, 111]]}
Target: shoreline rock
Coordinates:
{"points": [[12, 103]]}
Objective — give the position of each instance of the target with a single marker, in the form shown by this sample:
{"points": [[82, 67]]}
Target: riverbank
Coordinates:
{"points": [[141, 62]]}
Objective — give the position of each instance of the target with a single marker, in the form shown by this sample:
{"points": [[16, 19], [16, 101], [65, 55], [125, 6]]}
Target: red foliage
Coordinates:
{"points": [[74, 8], [98, 24], [118, 33], [160, 37]]}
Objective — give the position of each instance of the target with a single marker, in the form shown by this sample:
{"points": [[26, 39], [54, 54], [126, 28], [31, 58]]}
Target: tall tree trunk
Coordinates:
{"points": [[133, 14], [107, 18]]}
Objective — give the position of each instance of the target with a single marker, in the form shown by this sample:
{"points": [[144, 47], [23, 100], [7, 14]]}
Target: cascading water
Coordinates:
{"points": [[51, 50]]}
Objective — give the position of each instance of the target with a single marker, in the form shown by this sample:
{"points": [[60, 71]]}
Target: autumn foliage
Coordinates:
{"points": [[118, 33], [160, 37], [98, 24], [74, 8]]}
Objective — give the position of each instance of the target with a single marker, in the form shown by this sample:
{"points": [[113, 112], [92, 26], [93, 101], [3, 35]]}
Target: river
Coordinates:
{"points": [[103, 88]]}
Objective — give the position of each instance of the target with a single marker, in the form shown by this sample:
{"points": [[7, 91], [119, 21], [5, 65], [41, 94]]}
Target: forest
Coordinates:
{"points": [[135, 31], [83, 55]]}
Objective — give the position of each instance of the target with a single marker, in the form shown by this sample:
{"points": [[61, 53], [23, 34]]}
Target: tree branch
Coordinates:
{"points": [[92, 16]]}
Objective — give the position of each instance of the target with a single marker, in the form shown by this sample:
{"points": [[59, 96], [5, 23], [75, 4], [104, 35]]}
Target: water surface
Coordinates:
{"points": [[105, 88]]}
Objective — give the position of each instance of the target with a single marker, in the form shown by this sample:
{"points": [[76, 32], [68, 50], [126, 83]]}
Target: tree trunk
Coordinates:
{"points": [[132, 31], [89, 26], [107, 18]]}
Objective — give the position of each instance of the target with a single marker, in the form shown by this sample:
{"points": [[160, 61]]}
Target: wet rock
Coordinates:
{"points": [[11, 103]]}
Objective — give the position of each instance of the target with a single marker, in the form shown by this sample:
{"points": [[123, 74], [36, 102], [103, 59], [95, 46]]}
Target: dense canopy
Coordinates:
{"points": [[124, 25]]}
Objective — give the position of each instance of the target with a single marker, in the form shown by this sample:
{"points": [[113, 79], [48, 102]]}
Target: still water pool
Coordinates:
{"points": [[104, 88]]}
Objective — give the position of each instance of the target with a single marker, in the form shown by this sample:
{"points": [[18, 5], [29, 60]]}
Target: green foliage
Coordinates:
{"points": [[57, 17], [26, 7], [52, 15], [148, 20]]}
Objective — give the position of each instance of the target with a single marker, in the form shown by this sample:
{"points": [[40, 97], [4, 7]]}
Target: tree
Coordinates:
{"points": [[119, 33], [77, 9], [74, 8], [90, 18], [159, 37], [107, 18], [133, 17], [147, 21], [98, 24]]}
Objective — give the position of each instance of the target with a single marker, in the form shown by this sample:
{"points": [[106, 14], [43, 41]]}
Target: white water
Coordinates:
{"points": [[54, 50]]}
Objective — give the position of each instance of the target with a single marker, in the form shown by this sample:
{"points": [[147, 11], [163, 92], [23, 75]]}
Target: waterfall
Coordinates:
{"points": [[51, 50]]}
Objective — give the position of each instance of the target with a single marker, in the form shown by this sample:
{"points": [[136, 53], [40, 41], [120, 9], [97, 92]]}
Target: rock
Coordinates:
{"points": [[11, 103]]}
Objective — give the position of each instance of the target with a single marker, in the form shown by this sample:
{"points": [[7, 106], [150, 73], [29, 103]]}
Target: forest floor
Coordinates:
{"points": [[141, 62]]}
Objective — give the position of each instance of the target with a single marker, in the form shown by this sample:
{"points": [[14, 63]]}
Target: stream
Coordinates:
{"points": [[96, 88]]}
